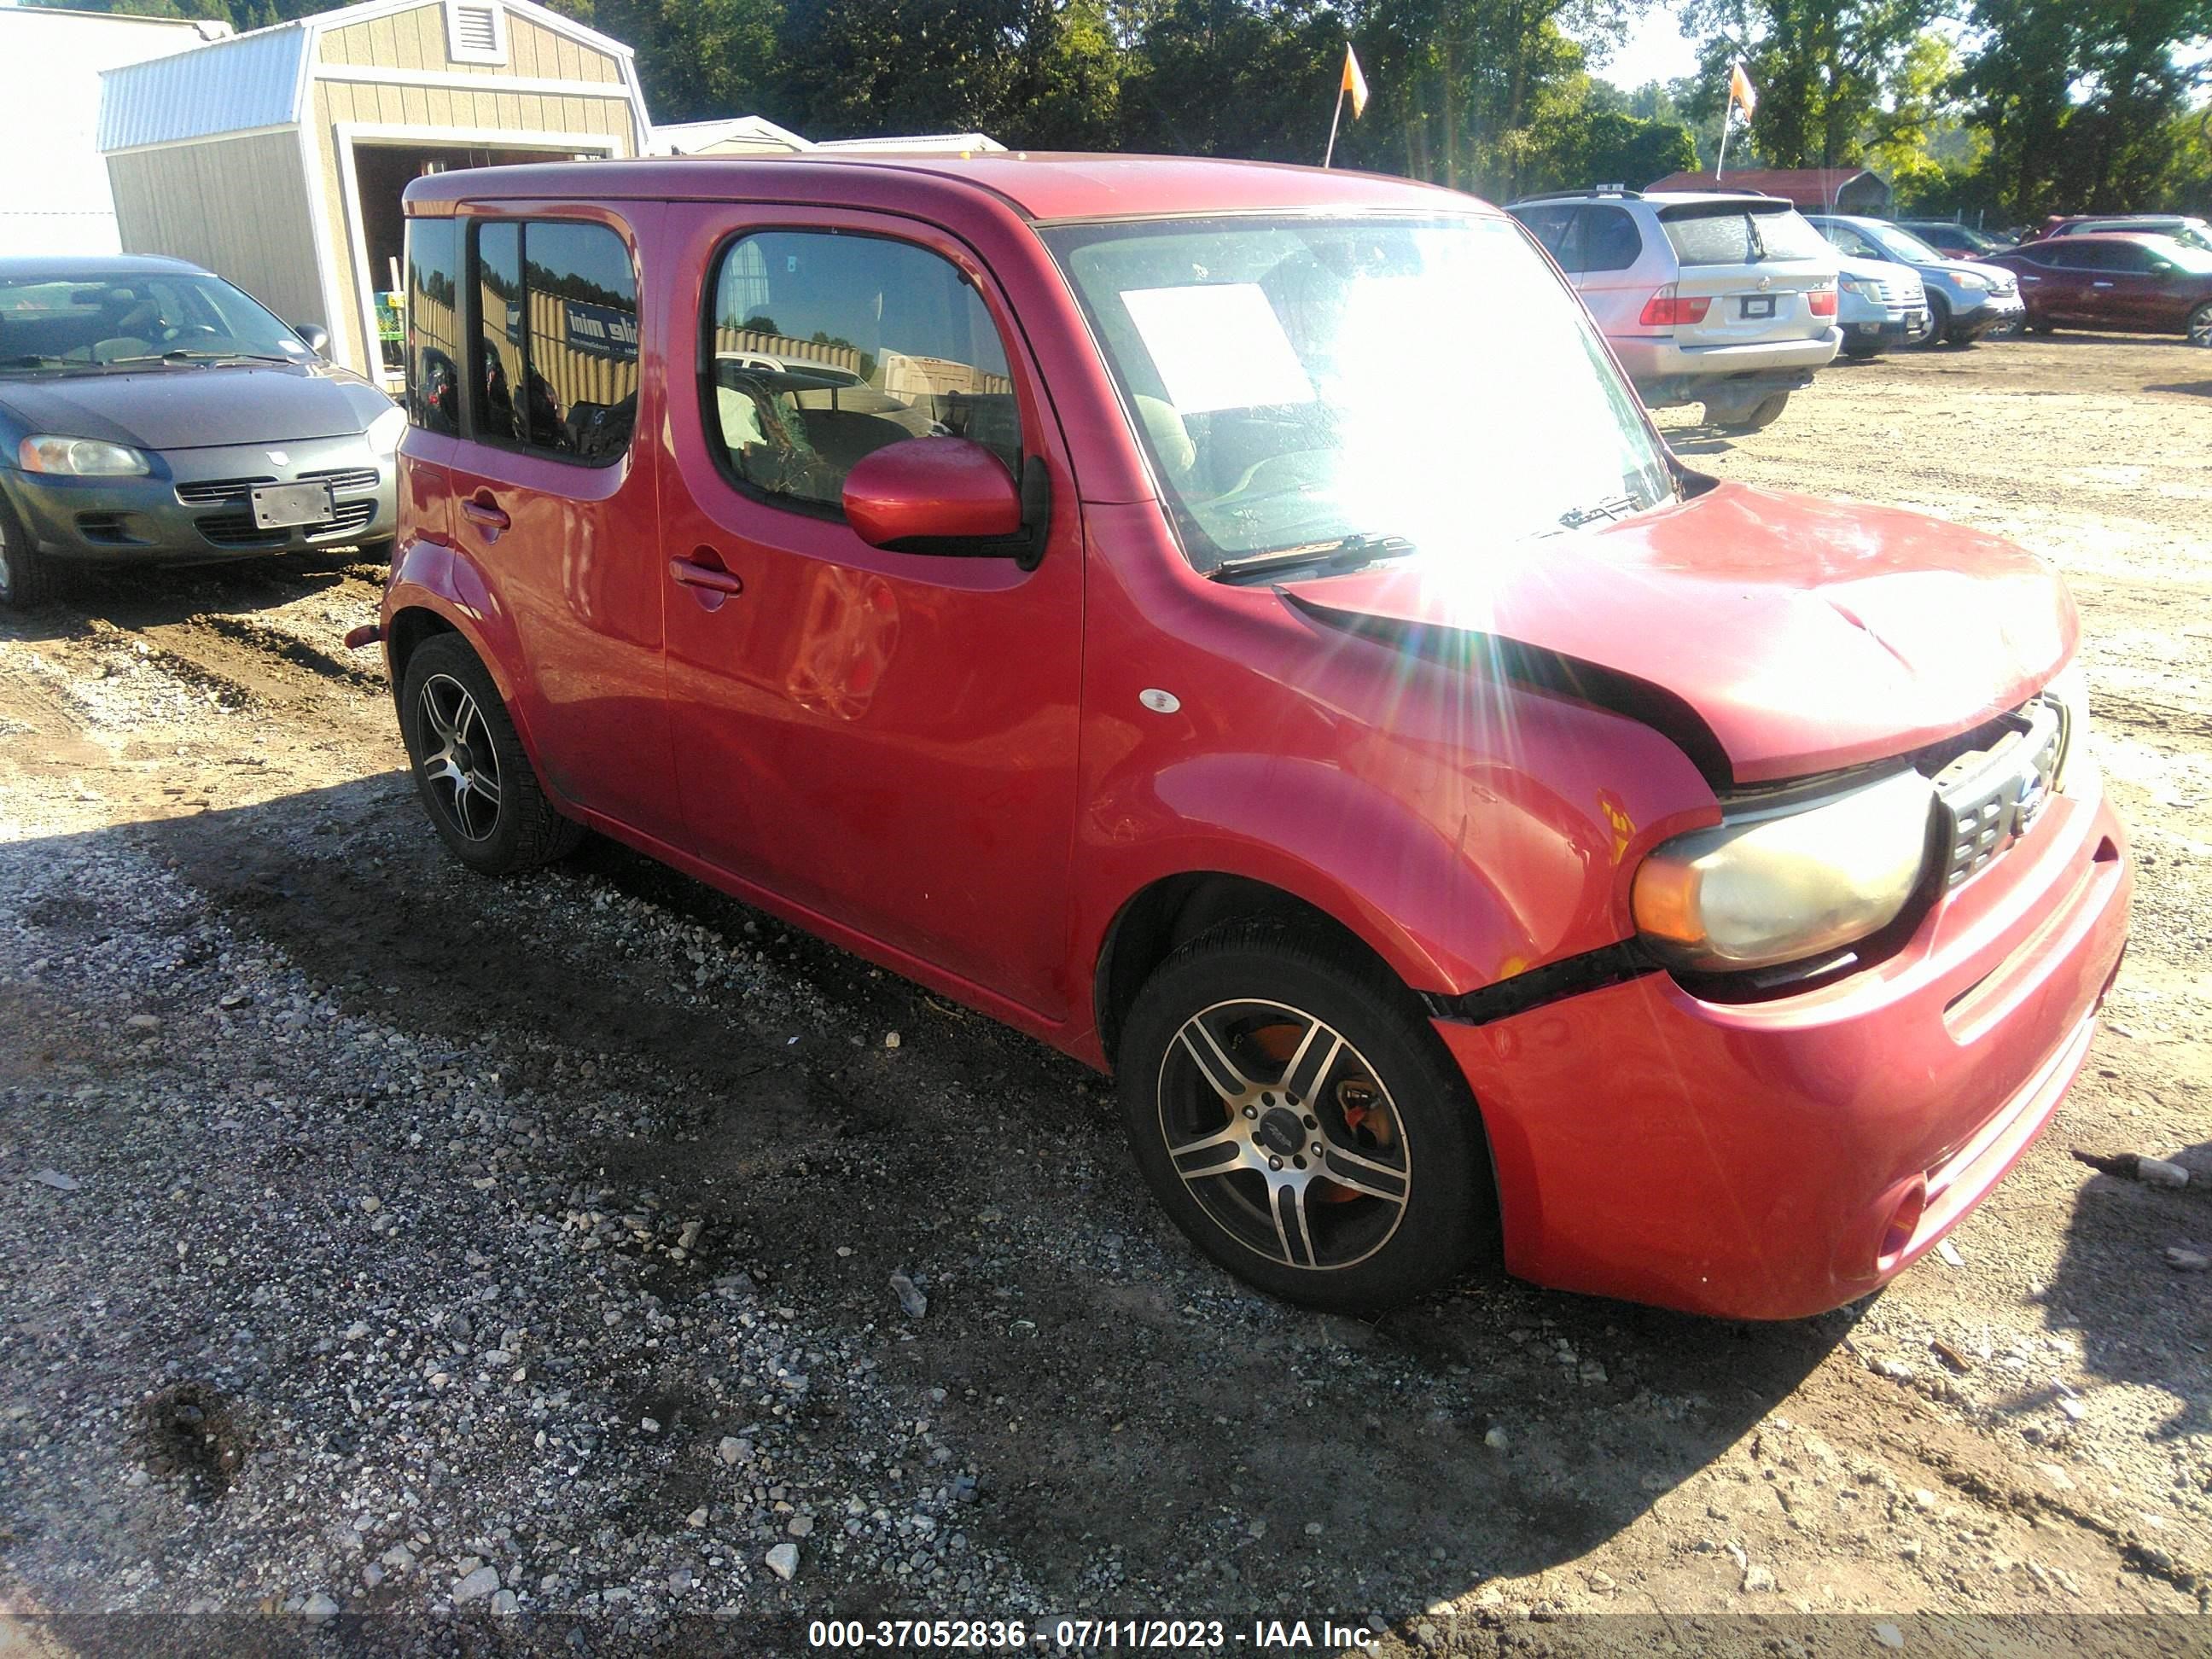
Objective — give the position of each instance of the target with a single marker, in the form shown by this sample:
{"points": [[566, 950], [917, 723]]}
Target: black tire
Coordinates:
{"points": [[2200, 326], [1416, 1204], [2040, 328], [28, 577], [1736, 417], [377, 552], [1939, 322], [453, 721], [1860, 351]]}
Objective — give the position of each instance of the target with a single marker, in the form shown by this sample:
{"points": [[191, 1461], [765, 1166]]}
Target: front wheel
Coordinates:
{"points": [[1939, 322], [27, 576], [2200, 326], [469, 768], [1297, 1117]]}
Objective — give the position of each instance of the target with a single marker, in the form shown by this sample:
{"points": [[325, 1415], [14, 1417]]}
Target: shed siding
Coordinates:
{"points": [[416, 40], [238, 206], [470, 114]]}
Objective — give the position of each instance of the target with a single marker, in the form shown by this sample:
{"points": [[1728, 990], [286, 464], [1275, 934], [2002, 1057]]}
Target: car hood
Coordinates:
{"points": [[197, 408], [1774, 636], [1953, 268]]}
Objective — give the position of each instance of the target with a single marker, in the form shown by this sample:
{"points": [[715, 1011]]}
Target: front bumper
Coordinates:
{"points": [[1750, 1160], [195, 506], [1977, 315]]}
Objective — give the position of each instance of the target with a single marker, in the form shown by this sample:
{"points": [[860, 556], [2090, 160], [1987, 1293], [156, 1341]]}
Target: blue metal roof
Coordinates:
{"points": [[229, 86]]}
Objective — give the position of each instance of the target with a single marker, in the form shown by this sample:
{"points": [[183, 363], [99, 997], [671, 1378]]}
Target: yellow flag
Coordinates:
{"points": [[1354, 82], [1741, 93]]}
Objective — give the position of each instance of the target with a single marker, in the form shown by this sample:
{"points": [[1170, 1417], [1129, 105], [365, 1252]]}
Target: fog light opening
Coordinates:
{"points": [[1903, 1221]]}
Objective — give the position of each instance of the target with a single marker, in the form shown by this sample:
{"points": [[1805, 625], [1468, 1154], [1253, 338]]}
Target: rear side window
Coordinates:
{"points": [[1725, 233], [1610, 240], [434, 324], [1555, 226], [825, 348], [554, 367]]}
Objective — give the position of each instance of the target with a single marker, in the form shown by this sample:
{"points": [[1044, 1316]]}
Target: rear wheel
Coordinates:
{"points": [[2200, 326], [1297, 1117], [28, 577], [469, 768]]}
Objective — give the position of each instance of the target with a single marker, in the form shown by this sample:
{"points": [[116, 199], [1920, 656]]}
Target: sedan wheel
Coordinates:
{"points": [[27, 578], [1300, 1120], [2200, 326]]}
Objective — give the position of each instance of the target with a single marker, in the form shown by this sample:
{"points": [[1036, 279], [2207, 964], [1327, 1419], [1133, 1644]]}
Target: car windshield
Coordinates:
{"points": [[90, 323], [1320, 387], [1904, 245], [2175, 251]]}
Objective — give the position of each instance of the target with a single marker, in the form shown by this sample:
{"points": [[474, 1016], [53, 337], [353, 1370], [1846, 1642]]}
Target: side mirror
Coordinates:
{"points": [[315, 338], [2161, 268], [940, 496]]}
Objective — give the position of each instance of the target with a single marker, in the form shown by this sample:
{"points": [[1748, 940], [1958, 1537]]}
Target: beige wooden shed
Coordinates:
{"points": [[278, 158]]}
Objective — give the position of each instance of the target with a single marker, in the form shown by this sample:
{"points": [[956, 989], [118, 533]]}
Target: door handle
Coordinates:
{"points": [[2100, 285], [485, 515], [712, 577]]}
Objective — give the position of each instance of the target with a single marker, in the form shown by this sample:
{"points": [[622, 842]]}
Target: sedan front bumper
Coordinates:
{"points": [[196, 504]]}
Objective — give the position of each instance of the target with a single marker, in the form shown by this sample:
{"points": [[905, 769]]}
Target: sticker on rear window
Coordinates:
{"points": [[1218, 346]]}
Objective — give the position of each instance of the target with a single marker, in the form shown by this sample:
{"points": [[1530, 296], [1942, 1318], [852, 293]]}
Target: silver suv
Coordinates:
{"points": [[1725, 300]]}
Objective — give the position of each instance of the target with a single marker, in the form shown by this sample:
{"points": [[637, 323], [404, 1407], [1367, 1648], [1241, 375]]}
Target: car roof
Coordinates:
{"points": [[93, 268], [1039, 186]]}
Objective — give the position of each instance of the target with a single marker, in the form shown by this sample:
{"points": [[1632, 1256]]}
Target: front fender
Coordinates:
{"points": [[448, 582]]}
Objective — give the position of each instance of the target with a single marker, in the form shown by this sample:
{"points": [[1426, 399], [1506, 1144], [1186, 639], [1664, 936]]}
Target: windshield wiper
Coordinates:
{"points": [[1614, 507], [199, 357], [38, 359], [1345, 553]]}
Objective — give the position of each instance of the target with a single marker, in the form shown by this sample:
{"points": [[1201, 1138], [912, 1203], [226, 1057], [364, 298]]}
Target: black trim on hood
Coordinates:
{"points": [[1590, 683], [1570, 976]]}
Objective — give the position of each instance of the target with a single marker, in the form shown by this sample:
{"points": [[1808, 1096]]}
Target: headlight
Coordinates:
{"points": [[2070, 690], [1972, 283], [1788, 882], [383, 431], [79, 458], [1853, 285]]}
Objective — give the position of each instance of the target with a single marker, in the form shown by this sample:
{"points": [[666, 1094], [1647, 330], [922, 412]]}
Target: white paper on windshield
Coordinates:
{"points": [[1217, 346]]}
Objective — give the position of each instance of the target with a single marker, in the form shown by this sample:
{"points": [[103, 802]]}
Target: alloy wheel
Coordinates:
{"points": [[2200, 326], [6, 566], [1284, 1134], [463, 772]]}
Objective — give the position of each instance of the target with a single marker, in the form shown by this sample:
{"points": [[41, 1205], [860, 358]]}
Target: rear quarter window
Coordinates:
{"points": [[434, 324]]}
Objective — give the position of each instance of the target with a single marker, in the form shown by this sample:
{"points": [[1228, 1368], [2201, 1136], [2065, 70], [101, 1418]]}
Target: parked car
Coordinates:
{"points": [[2184, 227], [1967, 300], [1879, 305], [1466, 833], [2131, 284], [151, 411], [1955, 241], [1729, 301]]}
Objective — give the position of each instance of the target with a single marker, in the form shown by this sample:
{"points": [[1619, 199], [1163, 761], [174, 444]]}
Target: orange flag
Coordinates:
{"points": [[1741, 93], [1354, 82]]}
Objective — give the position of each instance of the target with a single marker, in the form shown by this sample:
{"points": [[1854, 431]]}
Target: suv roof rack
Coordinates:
{"points": [[1584, 194]]}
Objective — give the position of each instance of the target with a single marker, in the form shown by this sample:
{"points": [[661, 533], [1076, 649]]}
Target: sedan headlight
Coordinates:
{"points": [[1785, 883], [79, 458], [1865, 291], [1971, 282], [383, 431]]}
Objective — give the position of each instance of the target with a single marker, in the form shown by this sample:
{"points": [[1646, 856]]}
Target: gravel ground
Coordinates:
{"points": [[592, 1248]]}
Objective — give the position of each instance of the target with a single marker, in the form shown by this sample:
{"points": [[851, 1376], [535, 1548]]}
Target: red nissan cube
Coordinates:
{"points": [[1237, 625]]}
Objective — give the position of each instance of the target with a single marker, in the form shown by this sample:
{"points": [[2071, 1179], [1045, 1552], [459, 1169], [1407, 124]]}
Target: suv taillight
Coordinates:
{"points": [[1823, 301], [1666, 308]]}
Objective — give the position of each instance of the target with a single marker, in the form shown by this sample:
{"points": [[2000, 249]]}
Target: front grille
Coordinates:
{"points": [[239, 530], [1987, 798], [228, 492]]}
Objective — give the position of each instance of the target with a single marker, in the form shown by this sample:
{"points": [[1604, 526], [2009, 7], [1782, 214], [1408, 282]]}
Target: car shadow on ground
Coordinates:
{"points": [[1140, 1425], [134, 595], [2135, 1311], [2186, 388]]}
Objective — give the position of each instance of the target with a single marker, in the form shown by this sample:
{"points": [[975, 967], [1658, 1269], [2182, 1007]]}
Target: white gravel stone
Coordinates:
{"points": [[477, 1585], [783, 1561]]}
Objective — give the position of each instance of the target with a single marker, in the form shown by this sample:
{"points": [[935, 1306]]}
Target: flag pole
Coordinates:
{"points": [[1334, 115], [1720, 161]]}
